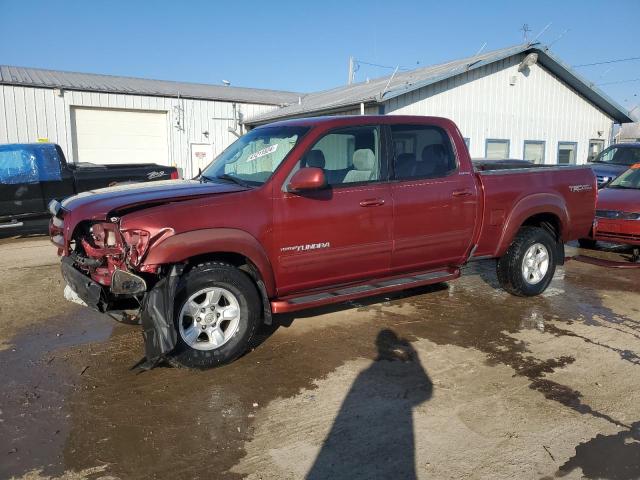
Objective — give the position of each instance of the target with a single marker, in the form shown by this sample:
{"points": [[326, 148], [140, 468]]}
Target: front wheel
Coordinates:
{"points": [[526, 269], [217, 312]]}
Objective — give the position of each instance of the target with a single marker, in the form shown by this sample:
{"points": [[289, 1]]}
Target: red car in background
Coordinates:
{"points": [[618, 210]]}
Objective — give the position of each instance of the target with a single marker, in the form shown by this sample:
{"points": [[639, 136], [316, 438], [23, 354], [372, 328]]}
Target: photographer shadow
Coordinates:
{"points": [[373, 435]]}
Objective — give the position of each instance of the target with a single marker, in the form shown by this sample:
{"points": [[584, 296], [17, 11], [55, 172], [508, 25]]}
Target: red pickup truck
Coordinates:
{"points": [[309, 212]]}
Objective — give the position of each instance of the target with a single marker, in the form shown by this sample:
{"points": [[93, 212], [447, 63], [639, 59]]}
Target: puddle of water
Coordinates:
{"points": [[35, 383], [614, 457], [177, 422]]}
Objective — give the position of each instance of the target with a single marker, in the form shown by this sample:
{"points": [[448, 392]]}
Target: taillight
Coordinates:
{"points": [[138, 241], [174, 175]]}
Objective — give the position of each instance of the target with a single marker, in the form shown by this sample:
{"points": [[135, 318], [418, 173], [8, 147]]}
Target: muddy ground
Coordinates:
{"points": [[457, 380]]}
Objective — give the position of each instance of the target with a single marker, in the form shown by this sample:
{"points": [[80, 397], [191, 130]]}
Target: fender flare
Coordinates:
{"points": [[181, 247], [527, 207]]}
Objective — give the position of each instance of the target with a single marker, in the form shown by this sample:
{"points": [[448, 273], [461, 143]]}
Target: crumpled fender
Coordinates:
{"points": [[156, 314], [535, 204], [182, 246]]}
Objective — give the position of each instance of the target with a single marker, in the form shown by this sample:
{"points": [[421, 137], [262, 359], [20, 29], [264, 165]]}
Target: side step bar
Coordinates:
{"points": [[361, 290]]}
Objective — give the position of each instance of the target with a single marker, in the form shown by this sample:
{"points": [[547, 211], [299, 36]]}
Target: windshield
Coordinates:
{"points": [[629, 179], [619, 156], [253, 158]]}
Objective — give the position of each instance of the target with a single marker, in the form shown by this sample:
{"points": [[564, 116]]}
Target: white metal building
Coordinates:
{"points": [[505, 107], [108, 119]]}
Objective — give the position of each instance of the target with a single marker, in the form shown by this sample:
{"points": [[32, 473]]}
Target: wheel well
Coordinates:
{"points": [[553, 225], [548, 221], [244, 264]]}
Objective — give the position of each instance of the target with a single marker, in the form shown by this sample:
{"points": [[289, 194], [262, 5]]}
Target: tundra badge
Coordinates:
{"points": [[304, 248]]}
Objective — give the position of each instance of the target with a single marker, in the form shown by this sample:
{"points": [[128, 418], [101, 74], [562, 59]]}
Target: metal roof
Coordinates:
{"points": [[378, 90], [37, 77]]}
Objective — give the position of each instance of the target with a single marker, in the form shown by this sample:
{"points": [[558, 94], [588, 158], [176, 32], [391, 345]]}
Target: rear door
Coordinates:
{"points": [[435, 203], [342, 233]]}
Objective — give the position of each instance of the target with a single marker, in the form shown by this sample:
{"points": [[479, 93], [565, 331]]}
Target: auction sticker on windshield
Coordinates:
{"points": [[262, 153]]}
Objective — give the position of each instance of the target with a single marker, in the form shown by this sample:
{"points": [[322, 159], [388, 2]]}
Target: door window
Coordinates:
{"points": [[595, 147], [567, 153], [350, 155], [497, 149], [421, 151], [533, 151]]}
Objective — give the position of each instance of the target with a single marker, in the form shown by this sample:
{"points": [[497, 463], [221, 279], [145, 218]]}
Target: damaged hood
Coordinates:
{"points": [[98, 204]]}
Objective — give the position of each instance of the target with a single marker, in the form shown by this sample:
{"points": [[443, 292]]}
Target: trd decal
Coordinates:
{"points": [[580, 188], [308, 246]]}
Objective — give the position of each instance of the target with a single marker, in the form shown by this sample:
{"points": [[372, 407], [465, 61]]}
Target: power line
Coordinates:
{"points": [[620, 81], [606, 62]]}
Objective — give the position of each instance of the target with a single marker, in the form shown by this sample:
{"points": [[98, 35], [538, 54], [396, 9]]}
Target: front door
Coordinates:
{"points": [[342, 233], [435, 204]]}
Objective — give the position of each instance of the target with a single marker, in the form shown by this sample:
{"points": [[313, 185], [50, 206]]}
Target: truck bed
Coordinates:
{"points": [[571, 189]]}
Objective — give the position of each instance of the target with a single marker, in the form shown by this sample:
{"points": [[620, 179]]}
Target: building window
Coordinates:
{"points": [[596, 145], [533, 151], [567, 153], [496, 149]]}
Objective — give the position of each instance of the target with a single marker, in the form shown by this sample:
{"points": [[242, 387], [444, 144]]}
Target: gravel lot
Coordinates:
{"points": [[457, 380]]}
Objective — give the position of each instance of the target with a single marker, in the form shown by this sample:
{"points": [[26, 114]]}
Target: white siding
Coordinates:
{"points": [[27, 114], [484, 105]]}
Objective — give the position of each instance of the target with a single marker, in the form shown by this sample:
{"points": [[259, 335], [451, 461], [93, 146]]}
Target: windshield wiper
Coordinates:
{"points": [[205, 178], [232, 178]]}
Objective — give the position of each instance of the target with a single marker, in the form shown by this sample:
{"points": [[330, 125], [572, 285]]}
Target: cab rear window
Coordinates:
{"points": [[29, 164]]}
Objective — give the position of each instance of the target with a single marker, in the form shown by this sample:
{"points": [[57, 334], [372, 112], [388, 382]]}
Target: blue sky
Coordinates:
{"points": [[305, 46]]}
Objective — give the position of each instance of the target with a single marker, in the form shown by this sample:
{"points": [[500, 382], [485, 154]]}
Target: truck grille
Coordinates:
{"points": [[602, 179]]}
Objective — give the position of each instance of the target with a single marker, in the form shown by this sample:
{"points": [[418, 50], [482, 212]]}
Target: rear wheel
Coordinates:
{"points": [[527, 268], [217, 312]]}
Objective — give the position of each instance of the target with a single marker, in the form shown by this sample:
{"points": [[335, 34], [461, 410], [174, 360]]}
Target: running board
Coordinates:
{"points": [[361, 290]]}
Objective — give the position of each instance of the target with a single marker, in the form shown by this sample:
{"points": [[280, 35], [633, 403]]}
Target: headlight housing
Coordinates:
{"points": [[138, 242]]}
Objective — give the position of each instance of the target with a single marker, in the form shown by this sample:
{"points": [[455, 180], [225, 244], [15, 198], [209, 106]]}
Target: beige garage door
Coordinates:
{"points": [[119, 136]]}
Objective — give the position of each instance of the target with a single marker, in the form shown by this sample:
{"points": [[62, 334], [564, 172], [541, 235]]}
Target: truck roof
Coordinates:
{"points": [[341, 120]]}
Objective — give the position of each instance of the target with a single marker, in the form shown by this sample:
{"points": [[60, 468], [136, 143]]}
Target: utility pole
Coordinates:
{"points": [[351, 72]]}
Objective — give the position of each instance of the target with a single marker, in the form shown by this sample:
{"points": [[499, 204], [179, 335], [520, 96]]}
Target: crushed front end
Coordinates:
{"points": [[101, 265]]}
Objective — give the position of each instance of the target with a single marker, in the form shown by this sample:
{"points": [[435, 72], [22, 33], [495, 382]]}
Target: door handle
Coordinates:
{"points": [[461, 193], [372, 202]]}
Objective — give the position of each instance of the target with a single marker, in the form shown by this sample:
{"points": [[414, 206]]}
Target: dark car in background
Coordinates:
{"points": [[33, 174], [614, 160]]}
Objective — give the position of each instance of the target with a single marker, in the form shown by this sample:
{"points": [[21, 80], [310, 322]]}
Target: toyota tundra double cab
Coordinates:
{"points": [[309, 212]]}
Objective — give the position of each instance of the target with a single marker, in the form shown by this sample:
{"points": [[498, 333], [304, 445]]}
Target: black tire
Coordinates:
{"points": [[587, 243], [509, 268], [217, 274]]}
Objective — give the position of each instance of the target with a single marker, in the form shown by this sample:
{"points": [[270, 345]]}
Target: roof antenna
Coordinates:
{"points": [[525, 32], [389, 82], [559, 37], [541, 32], [481, 49]]}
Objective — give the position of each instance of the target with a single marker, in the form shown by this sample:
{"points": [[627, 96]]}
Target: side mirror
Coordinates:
{"points": [[307, 178]]}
